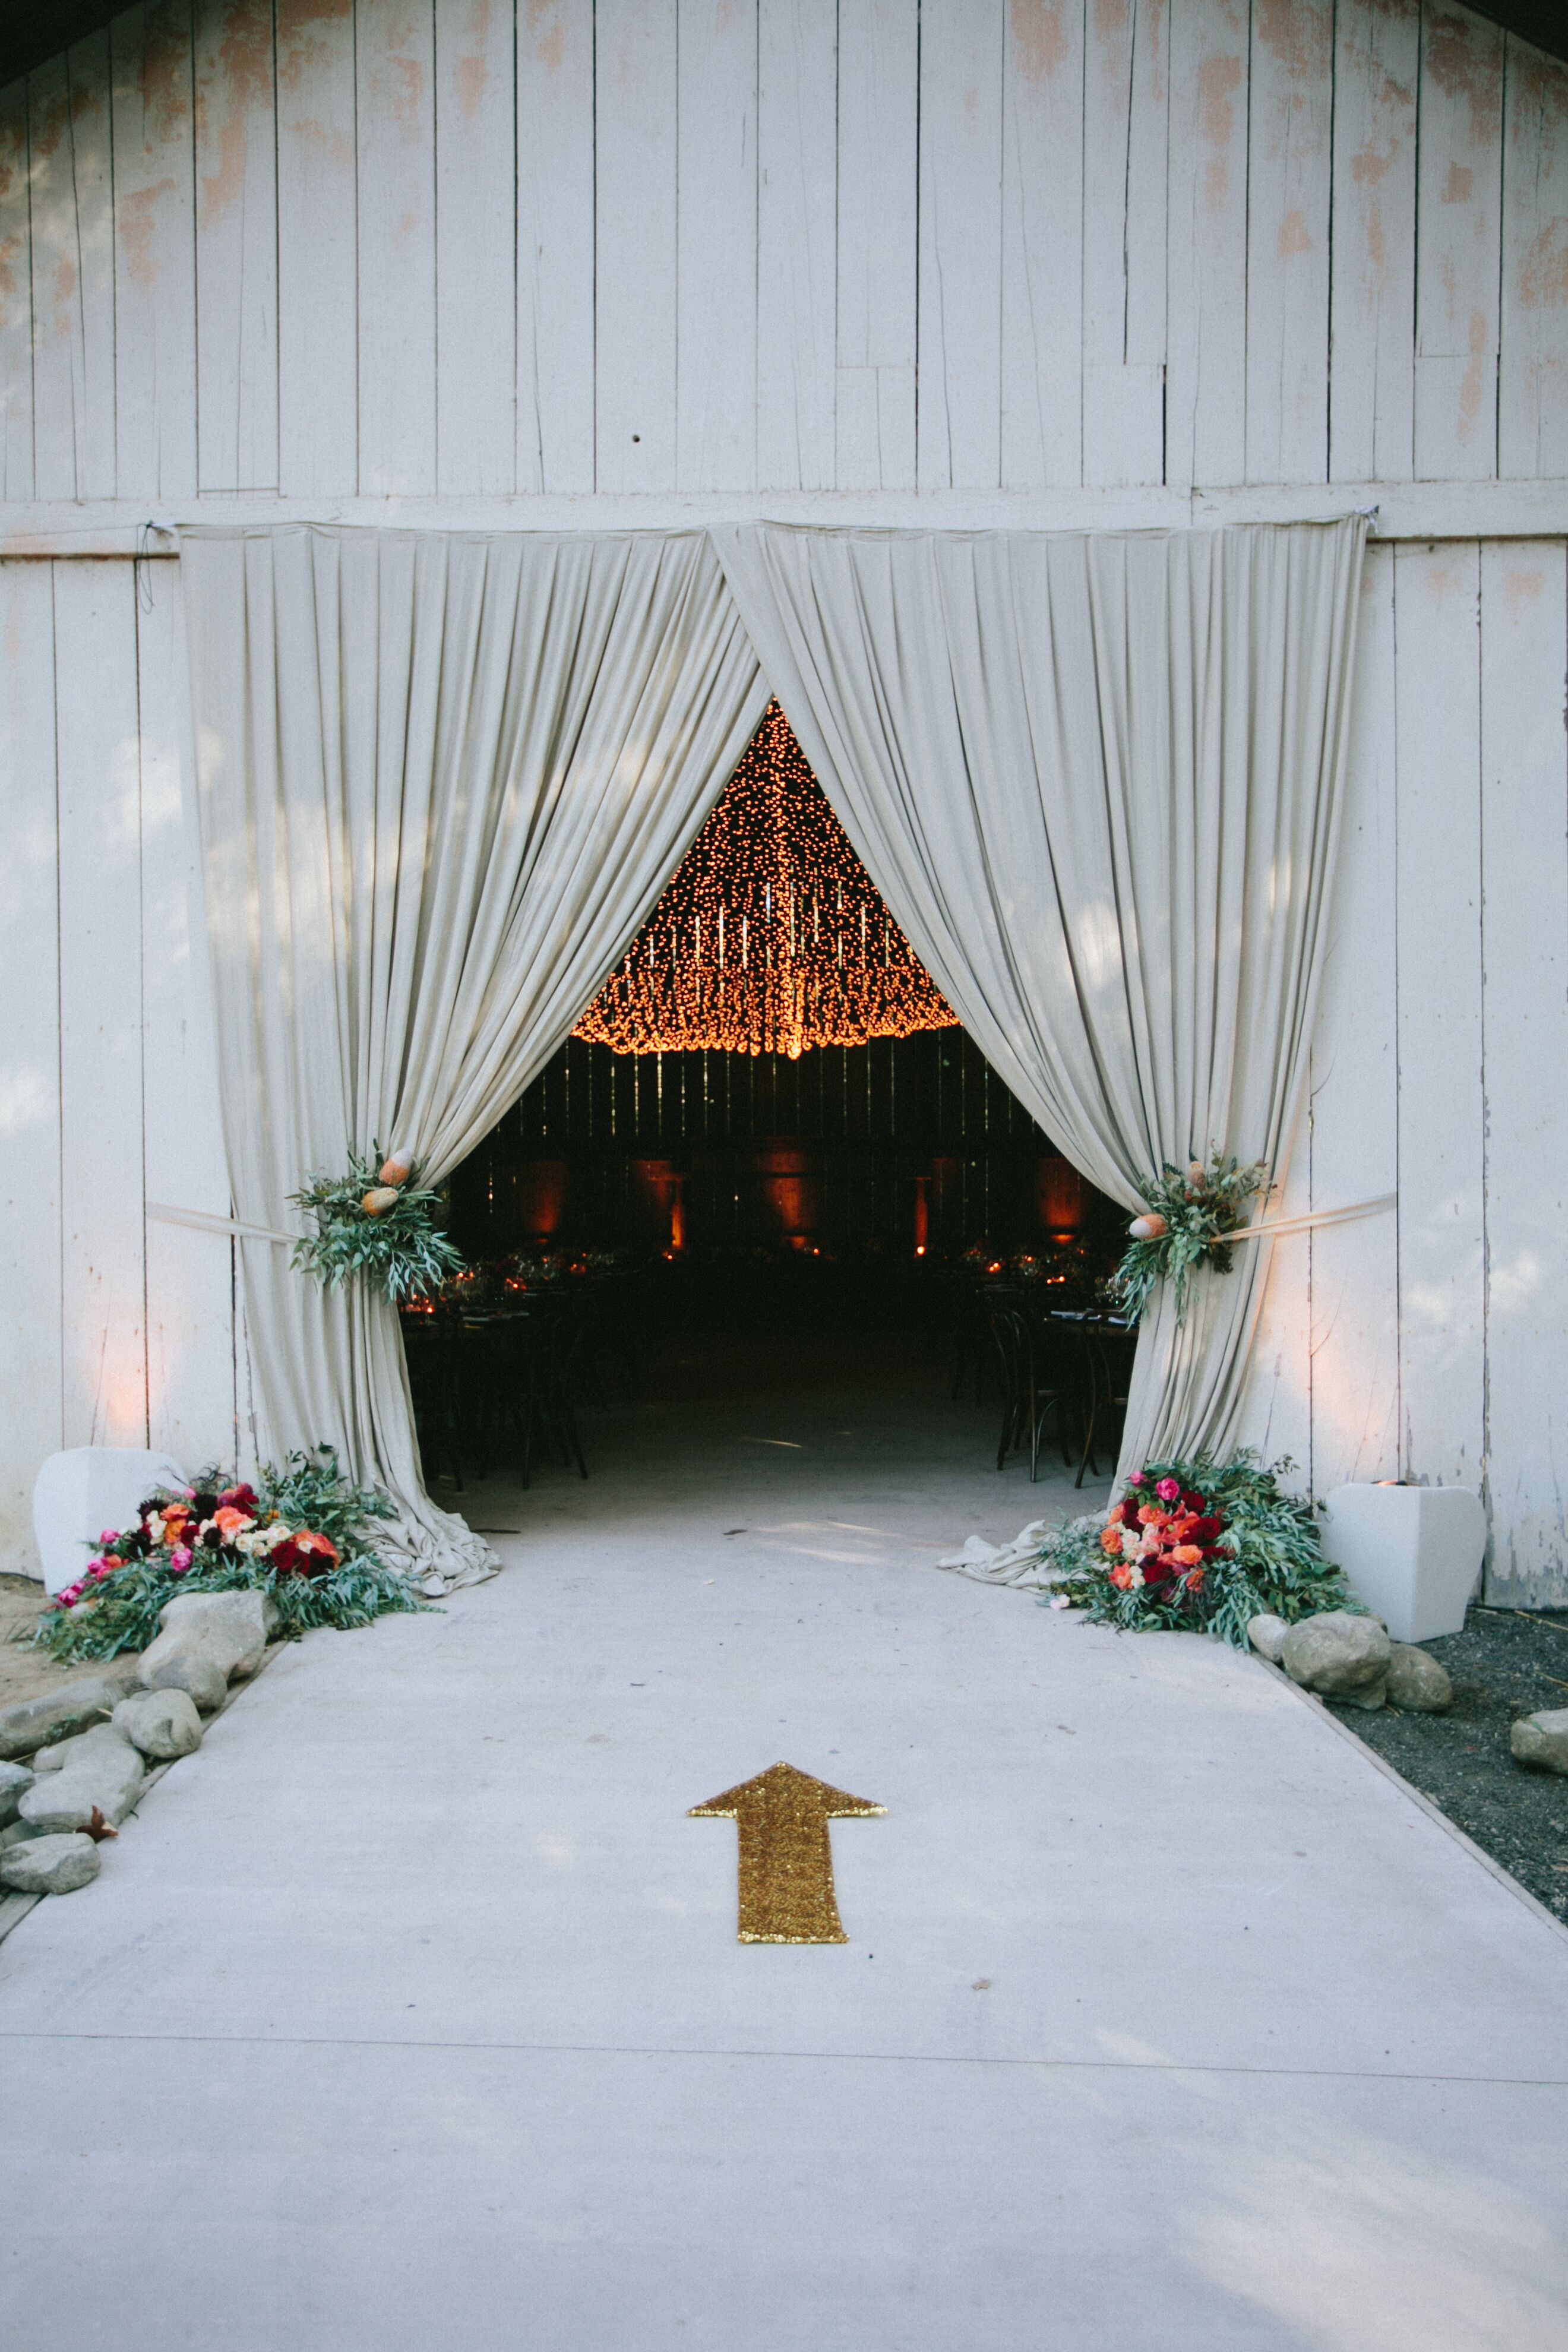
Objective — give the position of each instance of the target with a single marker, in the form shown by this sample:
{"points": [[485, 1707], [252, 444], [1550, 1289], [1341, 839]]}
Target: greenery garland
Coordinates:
{"points": [[1199, 1546], [1191, 1212], [378, 1221], [301, 1536]]}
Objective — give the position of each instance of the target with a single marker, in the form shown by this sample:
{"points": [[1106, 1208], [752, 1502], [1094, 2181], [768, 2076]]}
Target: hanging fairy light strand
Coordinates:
{"points": [[770, 936]]}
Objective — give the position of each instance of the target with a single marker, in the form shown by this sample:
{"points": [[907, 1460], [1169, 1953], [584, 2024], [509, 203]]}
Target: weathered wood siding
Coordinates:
{"points": [[116, 1328], [261, 254], [351, 248]]}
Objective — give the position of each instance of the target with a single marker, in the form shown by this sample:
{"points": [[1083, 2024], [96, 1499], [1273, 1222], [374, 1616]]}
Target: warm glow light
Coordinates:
{"points": [[770, 936]]}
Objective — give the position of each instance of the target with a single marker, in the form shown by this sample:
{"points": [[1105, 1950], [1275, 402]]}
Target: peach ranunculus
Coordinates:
{"points": [[230, 1522], [321, 1546], [1187, 1554], [1111, 1541], [1121, 1578]]}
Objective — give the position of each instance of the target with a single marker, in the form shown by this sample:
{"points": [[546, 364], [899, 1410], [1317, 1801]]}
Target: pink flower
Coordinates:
{"points": [[1168, 1490], [108, 1535], [1136, 1479], [180, 1560], [69, 1598], [99, 1571]]}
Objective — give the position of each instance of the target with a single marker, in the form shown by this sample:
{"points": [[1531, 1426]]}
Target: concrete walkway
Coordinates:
{"points": [[409, 2016]]}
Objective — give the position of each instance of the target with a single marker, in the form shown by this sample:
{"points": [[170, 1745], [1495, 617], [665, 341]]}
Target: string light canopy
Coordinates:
{"points": [[770, 936]]}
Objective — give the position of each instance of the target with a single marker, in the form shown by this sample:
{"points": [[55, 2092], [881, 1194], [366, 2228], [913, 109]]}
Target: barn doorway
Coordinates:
{"points": [[768, 1175]]}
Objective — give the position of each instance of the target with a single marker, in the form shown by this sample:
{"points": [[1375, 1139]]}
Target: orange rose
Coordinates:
{"points": [[229, 1522], [1188, 1556], [1121, 1578], [1111, 1541]]}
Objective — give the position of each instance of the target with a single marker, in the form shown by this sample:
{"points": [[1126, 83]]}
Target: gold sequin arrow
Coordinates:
{"points": [[786, 1859]]}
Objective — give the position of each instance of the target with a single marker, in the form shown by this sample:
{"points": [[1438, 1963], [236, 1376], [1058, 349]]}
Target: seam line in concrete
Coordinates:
{"points": [[805, 2057]]}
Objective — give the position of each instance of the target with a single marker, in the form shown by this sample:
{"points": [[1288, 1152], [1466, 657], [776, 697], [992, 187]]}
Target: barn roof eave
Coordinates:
{"points": [[33, 31]]}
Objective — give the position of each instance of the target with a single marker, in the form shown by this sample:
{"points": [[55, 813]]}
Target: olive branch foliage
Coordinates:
{"points": [[1200, 1208], [402, 1253]]}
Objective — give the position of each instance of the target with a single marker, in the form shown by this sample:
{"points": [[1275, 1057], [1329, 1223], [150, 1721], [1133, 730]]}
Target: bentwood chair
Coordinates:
{"points": [[1110, 1349], [1035, 1384]]}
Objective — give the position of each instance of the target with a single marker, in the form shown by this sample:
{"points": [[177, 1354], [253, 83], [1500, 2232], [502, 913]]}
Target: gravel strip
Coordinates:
{"points": [[1504, 1664]]}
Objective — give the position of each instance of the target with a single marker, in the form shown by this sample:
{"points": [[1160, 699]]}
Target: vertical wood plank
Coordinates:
{"points": [[30, 1422], [555, 245], [476, 249], [1458, 242], [959, 329], [716, 246], [394, 77], [1147, 167], [634, 288], [236, 246], [796, 190], [1354, 1137], [103, 1273], [318, 298], [878, 244], [1288, 217], [1205, 389], [1372, 405], [1532, 391], [1524, 970], [154, 252], [16, 299], [190, 1287], [1437, 913], [73, 274], [1062, 280], [1126, 110]]}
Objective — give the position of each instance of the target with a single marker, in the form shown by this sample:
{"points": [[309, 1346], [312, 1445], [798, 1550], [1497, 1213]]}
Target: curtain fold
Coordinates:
{"points": [[442, 779], [1097, 779]]}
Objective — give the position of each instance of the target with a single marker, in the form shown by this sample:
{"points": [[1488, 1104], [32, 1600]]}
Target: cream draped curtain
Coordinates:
{"points": [[1097, 779], [442, 779]]}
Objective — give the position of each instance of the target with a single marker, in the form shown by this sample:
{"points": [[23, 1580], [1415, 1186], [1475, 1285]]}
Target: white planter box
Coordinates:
{"points": [[1411, 1553], [81, 1492]]}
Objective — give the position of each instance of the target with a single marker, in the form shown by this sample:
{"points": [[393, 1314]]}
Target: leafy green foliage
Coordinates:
{"points": [[1199, 1206], [1267, 1560], [403, 1251], [116, 1607]]}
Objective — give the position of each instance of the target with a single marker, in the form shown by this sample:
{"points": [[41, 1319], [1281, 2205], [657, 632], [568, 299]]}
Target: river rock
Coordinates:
{"points": [[61, 1752], [14, 1783], [49, 1865], [1416, 1682], [161, 1724], [206, 1638], [14, 1831], [35, 1722], [107, 1778], [1342, 1656], [1267, 1635], [1542, 1738]]}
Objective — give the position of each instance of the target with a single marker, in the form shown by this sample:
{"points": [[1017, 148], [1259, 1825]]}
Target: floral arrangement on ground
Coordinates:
{"points": [[1191, 1213], [1195, 1547], [378, 1222], [301, 1535]]}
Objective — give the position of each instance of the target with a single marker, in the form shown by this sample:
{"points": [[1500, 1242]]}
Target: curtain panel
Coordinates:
{"points": [[1097, 779], [442, 779]]}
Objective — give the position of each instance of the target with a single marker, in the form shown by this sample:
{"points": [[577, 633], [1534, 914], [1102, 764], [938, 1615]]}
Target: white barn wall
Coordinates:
{"points": [[1090, 260], [117, 1328], [452, 247]]}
